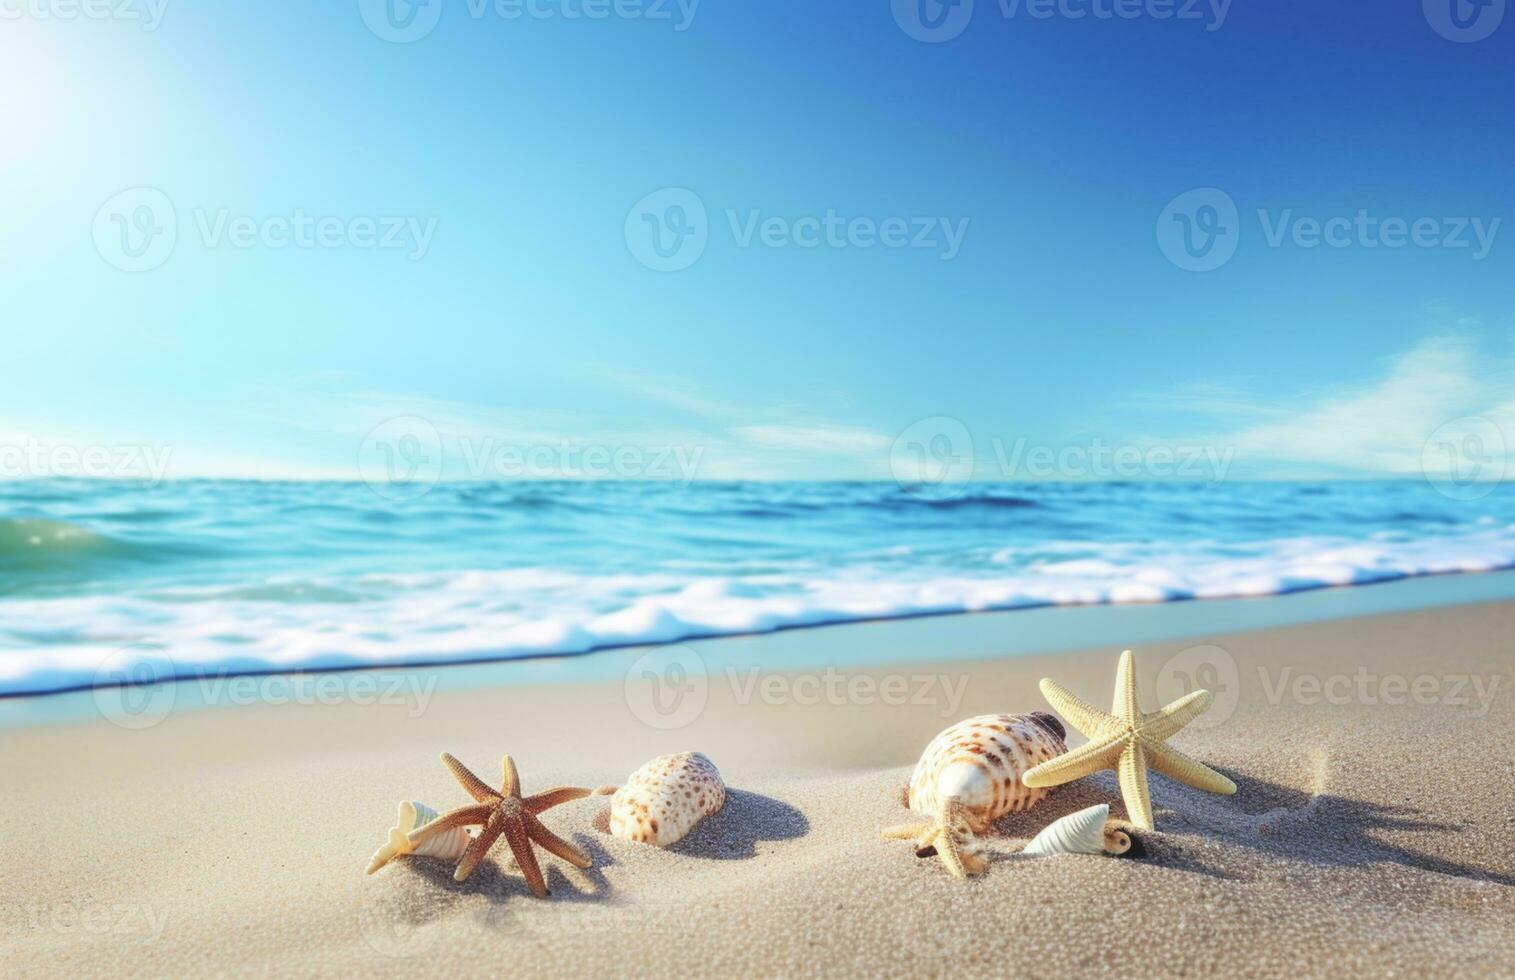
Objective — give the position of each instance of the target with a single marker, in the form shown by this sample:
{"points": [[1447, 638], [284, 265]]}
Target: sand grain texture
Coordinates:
{"points": [[1365, 839]]}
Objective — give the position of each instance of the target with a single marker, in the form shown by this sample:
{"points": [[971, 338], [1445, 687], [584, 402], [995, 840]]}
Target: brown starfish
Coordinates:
{"points": [[505, 812]]}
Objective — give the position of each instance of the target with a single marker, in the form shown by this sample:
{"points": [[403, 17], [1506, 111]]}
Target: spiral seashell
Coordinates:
{"points": [[448, 845], [662, 801], [1077, 833], [978, 763]]}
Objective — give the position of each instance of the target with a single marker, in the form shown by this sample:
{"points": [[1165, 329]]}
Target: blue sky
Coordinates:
{"points": [[491, 188]]}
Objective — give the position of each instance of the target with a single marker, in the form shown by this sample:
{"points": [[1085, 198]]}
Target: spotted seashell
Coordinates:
{"points": [[979, 763], [448, 845], [663, 800]]}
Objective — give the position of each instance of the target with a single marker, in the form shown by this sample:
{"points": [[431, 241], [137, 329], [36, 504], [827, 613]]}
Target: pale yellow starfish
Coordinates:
{"points": [[1128, 741]]}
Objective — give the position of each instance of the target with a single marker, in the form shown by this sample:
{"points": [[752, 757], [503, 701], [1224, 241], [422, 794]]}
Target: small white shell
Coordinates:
{"points": [[448, 845], [1077, 833], [663, 800], [979, 762]]}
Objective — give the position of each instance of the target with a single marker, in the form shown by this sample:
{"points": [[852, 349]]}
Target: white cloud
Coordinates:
{"points": [[1377, 427], [716, 440], [815, 439]]}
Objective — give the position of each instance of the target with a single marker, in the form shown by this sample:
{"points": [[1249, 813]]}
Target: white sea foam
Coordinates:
{"points": [[52, 643]]}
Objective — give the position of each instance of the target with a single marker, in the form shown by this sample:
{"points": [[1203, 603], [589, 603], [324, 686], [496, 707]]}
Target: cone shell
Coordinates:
{"points": [[979, 762], [663, 800], [1077, 833], [448, 845]]}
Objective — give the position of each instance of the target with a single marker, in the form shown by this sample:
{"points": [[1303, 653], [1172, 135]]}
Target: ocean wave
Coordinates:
{"points": [[483, 614], [33, 544], [44, 553], [907, 500], [224, 575]]}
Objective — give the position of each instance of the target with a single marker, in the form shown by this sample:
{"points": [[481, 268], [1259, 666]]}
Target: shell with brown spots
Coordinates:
{"points": [[979, 763], [662, 801]]}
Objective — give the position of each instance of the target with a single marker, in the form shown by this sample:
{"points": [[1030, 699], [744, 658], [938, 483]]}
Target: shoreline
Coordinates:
{"points": [[857, 643], [1370, 834]]}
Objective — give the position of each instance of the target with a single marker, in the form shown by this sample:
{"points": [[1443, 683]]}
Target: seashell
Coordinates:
{"points": [[970, 776], [1077, 833], [978, 763], [1121, 840], [663, 800], [448, 845]]}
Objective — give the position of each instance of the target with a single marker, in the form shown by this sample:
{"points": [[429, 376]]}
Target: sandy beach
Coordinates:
{"points": [[1370, 836]]}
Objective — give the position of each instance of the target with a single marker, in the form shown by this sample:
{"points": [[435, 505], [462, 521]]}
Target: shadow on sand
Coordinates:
{"points": [[1268, 818], [734, 831], [731, 834], [498, 879]]}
